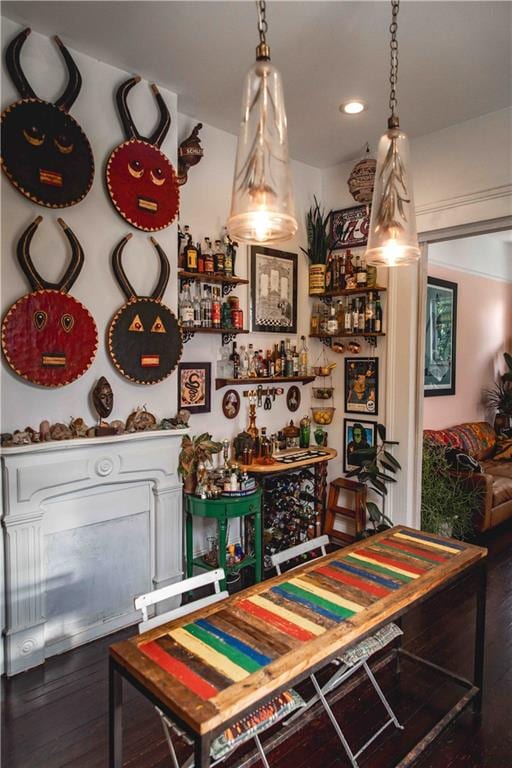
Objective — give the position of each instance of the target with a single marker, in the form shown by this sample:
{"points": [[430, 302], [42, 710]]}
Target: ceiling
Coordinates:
{"points": [[455, 60]]}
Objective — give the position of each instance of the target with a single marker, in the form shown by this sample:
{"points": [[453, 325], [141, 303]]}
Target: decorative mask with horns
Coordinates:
{"points": [[45, 153], [144, 337], [141, 181], [48, 337]]}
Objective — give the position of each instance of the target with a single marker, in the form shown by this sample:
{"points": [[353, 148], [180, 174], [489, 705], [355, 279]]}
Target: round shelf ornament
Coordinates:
{"points": [[48, 337], [45, 153], [144, 337], [362, 177], [141, 180]]}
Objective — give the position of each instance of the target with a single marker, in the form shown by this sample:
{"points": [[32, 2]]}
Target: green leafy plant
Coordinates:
{"points": [[377, 466], [499, 396], [195, 450], [318, 234], [448, 500]]}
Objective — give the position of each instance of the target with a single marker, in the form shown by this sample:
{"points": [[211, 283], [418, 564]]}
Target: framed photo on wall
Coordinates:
{"points": [[440, 337], [358, 434], [349, 227], [362, 385], [194, 387], [273, 290]]}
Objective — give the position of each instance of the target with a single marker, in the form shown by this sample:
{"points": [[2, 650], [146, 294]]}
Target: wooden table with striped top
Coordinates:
{"points": [[213, 666]]}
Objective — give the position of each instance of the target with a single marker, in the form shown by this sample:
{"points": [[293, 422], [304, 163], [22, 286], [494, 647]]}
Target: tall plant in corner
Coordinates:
{"points": [[318, 245], [376, 467], [499, 397]]}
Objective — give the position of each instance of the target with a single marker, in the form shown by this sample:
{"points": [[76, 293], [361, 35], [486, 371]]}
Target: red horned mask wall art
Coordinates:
{"points": [[48, 337], [45, 153], [144, 337], [141, 181]]}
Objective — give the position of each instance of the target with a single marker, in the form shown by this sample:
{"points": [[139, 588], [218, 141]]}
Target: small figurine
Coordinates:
{"points": [[78, 428], [118, 426], [44, 431], [190, 153], [103, 401], [140, 421], [60, 431]]}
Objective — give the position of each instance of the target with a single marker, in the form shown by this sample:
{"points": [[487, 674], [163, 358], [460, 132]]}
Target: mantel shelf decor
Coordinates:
{"points": [[219, 383]]}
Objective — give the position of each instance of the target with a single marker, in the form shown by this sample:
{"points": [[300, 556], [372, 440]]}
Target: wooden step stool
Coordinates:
{"points": [[357, 515]]}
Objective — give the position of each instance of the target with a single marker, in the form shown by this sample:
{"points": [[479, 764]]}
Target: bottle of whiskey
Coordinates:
{"points": [[303, 358], [361, 315], [332, 322], [361, 276], [355, 317], [190, 255], [295, 361], [378, 314], [200, 259], [218, 258], [235, 360], [369, 320], [209, 263]]}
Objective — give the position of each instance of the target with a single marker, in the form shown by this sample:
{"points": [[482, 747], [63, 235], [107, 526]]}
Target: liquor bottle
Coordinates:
{"points": [[349, 271], [200, 259], [228, 260], [361, 315], [323, 324], [282, 356], [265, 445], [314, 323], [378, 314], [244, 363], [252, 362], [355, 317], [196, 304], [271, 369], [341, 279], [332, 322], [190, 255], [206, 309], [369, 321], [347, 324], [216, 304], [235, 359], [288, 365], [362, 275], [186, 309], [295, 361], [209, 262], [340, 316], [262, 365], [181, 241], [328, 273], [277, 361], [218, 258], [303, 358]]}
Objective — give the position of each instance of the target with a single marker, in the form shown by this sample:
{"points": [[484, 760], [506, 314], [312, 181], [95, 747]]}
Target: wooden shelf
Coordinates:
{"points": [[228, 334], [361, 335], [202, 277], [347, 292], [219, 383]]}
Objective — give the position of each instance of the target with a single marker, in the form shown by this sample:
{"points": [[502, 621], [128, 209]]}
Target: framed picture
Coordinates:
{"points": [[358, 434], [362, 385], [194, 382], [273, 290], [440, 337], [349, 227]]}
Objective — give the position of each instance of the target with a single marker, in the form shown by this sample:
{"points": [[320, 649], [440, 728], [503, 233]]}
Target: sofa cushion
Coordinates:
{"points": [[443, 437], [500, 468], [477, 438]]}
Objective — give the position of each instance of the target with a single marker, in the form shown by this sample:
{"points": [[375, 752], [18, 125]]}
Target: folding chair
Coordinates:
{"points": [[349, 662], [249, 727]]}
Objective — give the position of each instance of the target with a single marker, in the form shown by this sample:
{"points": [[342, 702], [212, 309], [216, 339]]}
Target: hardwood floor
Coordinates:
{"points": [[56, 716]]}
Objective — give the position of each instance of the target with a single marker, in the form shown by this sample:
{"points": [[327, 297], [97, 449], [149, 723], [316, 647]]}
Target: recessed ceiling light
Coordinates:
{"points": [[353, 107]]}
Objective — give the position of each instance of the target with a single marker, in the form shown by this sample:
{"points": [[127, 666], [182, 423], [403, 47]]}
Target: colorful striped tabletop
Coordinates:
{"points": [[221, 657]]}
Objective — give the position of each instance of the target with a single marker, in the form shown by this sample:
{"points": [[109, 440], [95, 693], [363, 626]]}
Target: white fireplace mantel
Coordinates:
{"points": [[88, 524]]}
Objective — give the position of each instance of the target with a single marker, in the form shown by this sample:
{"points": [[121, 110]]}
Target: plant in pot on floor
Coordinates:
{"points": [[194, 451], [318, 246], [377, 467], [499, 397], [449, 500]]}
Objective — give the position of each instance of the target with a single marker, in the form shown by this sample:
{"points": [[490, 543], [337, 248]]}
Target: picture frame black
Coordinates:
{"points": [[362, 395], [440, 338], [194, 387], [349, 227], [350, 444], [273, 290]]}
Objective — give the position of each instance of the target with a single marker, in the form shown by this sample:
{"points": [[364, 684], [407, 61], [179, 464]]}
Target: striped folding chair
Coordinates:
{"points": [[348, 663], [251, 726]]}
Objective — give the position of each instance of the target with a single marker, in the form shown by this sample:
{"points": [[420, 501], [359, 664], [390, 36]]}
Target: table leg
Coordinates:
{"points": [[321, 494], [189, 544], [480, 636], [202, 752], [115, 717], [258, 547], [222, 528]]}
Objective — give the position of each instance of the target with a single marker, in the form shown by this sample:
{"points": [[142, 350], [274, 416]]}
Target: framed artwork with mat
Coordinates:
{"points": [[358, 435], [273, 290], [349, 227], [194, 387], [362, 385], [440, 338]]}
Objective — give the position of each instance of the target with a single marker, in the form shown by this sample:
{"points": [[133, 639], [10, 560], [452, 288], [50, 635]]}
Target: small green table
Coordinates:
{"points": [[223, 510]]}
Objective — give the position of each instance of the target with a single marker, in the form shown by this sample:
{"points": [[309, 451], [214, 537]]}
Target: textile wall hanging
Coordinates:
{"points": [[144, 337], [45, 153], [48, 337], [141, 181]]}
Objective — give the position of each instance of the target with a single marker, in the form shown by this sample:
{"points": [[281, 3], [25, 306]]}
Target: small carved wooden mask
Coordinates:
{"points": [[45, 153], [144, 337], [103, 398], [48, 337], [141, 181]]}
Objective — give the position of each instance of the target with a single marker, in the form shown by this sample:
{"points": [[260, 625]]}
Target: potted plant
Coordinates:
{"points": [[318, 246], [377, 467], [499, 397], [448, 501], [195, 450]]}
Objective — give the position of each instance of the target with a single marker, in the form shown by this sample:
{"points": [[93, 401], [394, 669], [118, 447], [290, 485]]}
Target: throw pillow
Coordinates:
{"points": [[461, 462], [503, 450]]}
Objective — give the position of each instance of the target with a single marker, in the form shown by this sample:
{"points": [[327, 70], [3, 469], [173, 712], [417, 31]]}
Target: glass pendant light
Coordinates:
{"points": [[262, 208], [393, 240]]}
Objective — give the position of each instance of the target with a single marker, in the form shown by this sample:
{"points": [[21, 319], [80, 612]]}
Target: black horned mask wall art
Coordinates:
{"points": [[48, 337], [45, 153], [141, 180], [144, 337]]}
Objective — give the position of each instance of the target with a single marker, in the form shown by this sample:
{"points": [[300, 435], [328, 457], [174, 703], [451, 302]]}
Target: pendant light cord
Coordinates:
{"points": [[393, 73], [262, 51]]}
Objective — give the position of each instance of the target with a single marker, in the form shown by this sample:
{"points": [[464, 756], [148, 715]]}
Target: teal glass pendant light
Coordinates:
{"points": [[262, 207], [393, 240]]}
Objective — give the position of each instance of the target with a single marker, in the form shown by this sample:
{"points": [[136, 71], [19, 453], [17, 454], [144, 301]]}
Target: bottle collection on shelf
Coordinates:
{"points": [[204, 308], [284, 360], [357, 316], [343, 272], [217, 260]]}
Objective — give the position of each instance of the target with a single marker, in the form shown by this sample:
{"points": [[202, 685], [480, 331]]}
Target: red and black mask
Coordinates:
{"points": [[144, 337], [141, 181], [45, 153], [48, 337]]}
